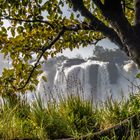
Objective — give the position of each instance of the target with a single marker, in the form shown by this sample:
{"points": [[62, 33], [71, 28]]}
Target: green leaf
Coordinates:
{"points": [[72, 16], [13, 31], [138, 75], [40, 17], [25, 2], [78, 15], [20, 29], [40, 1], [4, 29], [1, 23], [44, 78]]}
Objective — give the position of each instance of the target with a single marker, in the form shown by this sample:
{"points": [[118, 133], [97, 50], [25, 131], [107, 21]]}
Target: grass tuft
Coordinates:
{"points": [[71, 117]]}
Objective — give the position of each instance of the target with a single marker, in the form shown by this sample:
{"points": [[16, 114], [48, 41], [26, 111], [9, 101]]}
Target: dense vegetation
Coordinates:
{"points": [[72, 117]]}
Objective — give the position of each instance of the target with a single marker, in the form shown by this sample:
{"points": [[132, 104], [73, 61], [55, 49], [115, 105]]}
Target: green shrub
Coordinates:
{"points": [[72, 116], [79, 115]]}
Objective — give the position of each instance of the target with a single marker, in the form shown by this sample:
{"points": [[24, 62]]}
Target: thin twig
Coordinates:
{"points": [[129, 8], [42, 53], [27, 20]]}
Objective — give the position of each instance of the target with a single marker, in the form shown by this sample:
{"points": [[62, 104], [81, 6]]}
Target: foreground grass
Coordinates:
{"points": [[72, 117]]}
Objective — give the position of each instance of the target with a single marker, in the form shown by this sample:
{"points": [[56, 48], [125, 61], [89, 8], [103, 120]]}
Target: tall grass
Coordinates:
{"points": [[71, 117]]}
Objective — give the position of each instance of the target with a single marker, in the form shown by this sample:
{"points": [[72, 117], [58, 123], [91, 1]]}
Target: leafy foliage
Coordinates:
{"points": [[42, 28]]}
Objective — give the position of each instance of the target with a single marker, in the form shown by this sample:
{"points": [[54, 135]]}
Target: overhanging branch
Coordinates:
{"points": [[96, 24], [27, 20], [107, 32], [42, 53], [62, 31], [99, 4]]}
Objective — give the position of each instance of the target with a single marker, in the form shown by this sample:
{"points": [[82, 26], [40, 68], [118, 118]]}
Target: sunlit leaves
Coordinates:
{"points": [[27, 34], [20, 29], [13, 31], [44, 78], [1, 23]]}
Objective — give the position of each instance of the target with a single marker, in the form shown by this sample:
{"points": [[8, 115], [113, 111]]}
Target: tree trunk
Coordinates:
{"points": [[134, 51], [128, 34]]}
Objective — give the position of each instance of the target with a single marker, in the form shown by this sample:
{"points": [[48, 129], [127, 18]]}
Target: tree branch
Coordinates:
{"points": [[132, 9], [77, 27], [108, 32], [98, 4], [42, 53], [137, 11], [79, 6], [96, 24], [24, 20], [113, 12]]}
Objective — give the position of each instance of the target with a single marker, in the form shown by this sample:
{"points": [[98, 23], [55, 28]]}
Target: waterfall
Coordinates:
{"points": [[103, 83], [91, 79], [94, 80]]}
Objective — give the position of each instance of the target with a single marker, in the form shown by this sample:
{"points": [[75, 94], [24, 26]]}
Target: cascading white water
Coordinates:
{"points": [[92, 79], [103, 83]]}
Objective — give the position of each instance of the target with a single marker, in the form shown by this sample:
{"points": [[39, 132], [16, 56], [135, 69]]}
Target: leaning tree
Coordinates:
{"points": [[46, 27]]}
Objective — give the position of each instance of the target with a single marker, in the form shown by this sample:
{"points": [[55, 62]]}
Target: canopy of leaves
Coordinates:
{"points": [[43, 28]]}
